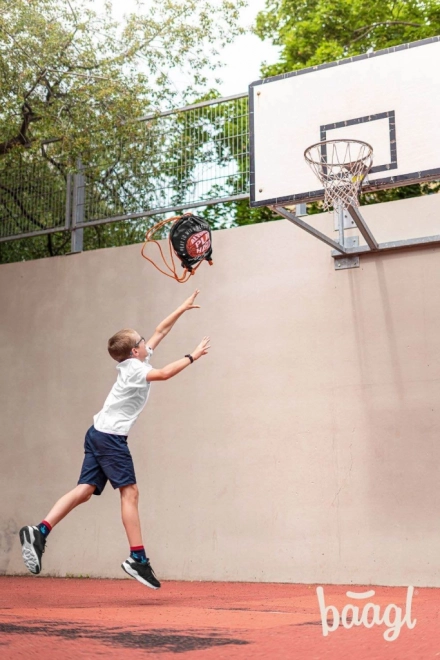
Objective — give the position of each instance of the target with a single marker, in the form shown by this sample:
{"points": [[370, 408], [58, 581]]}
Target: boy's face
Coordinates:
{"points": [[140, 350]]}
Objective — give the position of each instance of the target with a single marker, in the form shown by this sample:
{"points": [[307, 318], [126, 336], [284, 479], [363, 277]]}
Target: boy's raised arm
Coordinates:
{"points": [[163, 328]]}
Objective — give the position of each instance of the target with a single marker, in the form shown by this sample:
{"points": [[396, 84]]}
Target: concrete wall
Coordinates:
{"points": [[304, 448]]}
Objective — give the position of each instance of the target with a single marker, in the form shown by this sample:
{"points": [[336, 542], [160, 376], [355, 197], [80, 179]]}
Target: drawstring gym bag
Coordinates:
{"points": [[189, 239]]}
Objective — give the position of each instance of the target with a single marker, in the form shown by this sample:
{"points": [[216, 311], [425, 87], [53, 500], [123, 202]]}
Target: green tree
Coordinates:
{"points": [[312, 32], [67, 72], [73, 84]]}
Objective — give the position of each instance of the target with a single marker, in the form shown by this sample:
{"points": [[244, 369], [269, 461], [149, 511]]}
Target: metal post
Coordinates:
{"points": [[363, 227], [68, 217], [339, 210], [79, 190]]}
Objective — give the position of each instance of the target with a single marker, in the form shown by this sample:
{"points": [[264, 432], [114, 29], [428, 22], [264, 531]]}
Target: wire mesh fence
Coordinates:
{"points": [[32, 196], [179, 159], [194, 156]]}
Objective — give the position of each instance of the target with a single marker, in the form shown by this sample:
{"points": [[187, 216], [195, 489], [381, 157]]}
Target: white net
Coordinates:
{"points": [[341, 166]]}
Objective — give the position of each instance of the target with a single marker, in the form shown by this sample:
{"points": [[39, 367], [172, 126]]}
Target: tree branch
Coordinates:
{"points": [[80, 75], [374, 25], [54, 163], [21, 138]]}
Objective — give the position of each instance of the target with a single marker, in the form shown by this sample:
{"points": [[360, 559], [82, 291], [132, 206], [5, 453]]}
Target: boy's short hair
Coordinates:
{"points": [[119, 346]]}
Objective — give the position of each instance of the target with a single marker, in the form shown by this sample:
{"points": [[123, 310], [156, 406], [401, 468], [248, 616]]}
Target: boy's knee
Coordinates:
{"points": [[85, 492], [130, 492]]}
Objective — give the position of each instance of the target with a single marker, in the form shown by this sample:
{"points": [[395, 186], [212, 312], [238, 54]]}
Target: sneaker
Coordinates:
{"points": [[142, 572], [32, 548]]}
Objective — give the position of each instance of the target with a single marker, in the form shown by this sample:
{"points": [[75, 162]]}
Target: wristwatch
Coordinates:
{"points": [[190, 358]]}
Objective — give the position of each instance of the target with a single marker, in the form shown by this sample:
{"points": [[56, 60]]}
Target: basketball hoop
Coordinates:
{"points": [[341, 166]]}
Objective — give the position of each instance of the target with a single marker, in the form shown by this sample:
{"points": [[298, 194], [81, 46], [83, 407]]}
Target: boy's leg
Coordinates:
{"points": [[141, 571], [130, 514], [112, 456], [33, 541], [92, 480], [82, 493]]}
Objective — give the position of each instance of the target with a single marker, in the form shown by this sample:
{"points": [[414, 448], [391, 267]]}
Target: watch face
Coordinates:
{"points": [[198, 244]]}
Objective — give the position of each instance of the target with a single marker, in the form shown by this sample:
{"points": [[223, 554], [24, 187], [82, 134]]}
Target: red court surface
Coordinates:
{"points": [[85, 618]]}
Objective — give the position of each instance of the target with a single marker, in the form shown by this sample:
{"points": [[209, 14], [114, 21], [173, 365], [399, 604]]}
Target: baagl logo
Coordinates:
{"points": [[370, 616]]}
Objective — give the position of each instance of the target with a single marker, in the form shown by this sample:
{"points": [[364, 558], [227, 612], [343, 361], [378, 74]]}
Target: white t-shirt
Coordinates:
{"points": [[127, 397]]}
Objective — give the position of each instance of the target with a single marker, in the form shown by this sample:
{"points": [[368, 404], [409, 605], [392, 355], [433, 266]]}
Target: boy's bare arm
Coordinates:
{"points": [[163, 328], [176, 367]]}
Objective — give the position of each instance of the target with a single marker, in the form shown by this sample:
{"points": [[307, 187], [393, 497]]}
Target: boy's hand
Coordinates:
{"points": [[202, 348], [189, 303]]}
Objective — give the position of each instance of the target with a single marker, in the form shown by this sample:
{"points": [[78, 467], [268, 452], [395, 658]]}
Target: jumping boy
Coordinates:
{"points": [[107, 456]]}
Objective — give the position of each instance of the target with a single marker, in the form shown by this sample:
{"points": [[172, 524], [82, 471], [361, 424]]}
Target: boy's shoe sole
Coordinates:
{"points": [[30, 550], [131, 571]]}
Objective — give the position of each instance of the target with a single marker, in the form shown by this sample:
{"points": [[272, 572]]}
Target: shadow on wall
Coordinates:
{"points": [[399, 394]]}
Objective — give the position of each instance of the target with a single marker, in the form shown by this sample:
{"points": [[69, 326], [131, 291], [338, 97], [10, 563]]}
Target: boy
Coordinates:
{"points": [[107, 456]]}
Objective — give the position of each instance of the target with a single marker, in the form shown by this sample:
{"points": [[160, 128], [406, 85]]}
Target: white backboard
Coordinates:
{"points": [[389, 98]]}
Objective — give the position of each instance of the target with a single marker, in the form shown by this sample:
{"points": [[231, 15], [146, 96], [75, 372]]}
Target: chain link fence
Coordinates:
{"points": [[182, 159]]}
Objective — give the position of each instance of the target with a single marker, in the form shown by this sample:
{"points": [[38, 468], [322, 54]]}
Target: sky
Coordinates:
{"points": [[248, 50]]}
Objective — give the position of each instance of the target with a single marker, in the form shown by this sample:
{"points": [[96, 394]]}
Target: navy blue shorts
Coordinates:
{"points": [[106, 457]]}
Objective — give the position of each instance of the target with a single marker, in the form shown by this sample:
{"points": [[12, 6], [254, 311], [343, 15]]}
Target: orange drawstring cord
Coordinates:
{"points": [[148, 239]]}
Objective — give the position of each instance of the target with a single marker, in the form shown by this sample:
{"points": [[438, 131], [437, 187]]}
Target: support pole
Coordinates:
{"points": [[339, 211], [310, 230], [78, 208], [363, 227]]}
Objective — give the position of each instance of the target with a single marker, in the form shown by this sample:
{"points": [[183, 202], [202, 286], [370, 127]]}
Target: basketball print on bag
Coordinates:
{"points": [[198, 244]]}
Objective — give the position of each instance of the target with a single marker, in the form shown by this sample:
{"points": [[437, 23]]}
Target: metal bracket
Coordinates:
{"points": [[349, 223], [347, 252], [343, 262]]}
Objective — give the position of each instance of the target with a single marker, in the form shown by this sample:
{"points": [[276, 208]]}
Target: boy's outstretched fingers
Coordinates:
{"points": [[189, 303], [202, 348]]}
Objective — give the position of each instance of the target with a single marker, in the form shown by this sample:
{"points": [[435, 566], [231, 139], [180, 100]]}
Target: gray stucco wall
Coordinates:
{"points": [[304, 448]]}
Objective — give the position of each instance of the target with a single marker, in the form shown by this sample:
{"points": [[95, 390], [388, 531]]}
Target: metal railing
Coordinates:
{"points": [[179, 160]]}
